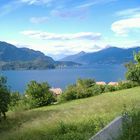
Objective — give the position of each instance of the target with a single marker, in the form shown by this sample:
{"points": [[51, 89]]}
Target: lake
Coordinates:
{"points": [[17, 80]]}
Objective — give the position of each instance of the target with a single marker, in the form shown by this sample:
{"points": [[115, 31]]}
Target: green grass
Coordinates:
{"points": [[75, 120]]}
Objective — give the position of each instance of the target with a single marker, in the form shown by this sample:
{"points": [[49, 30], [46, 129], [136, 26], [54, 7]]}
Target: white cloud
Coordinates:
{"points": [[65, 48], [12, 5], [121, 42], [31, 2], [88, 3], [57, 45], [124, 26], [94, 2], [54, 36], [72, 8], [70, 13], [130, 21], [129, 13], [79, 9], [38, 20], [59, 49]]}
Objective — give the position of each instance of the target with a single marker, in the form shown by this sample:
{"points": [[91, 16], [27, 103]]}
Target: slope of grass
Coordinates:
{"points": [[75, 120]]}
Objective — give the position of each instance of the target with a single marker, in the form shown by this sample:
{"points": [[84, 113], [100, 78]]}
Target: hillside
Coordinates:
{"points": [[75, 120], [13, 58], [9, 52], [110, 55]]}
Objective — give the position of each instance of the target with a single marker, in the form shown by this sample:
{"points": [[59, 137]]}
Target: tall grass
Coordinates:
{"points": [[74, 120]]}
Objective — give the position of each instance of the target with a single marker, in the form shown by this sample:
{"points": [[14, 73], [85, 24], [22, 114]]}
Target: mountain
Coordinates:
{"points": [[13, 58], [73, 57], [110, 55], [9, 52]]}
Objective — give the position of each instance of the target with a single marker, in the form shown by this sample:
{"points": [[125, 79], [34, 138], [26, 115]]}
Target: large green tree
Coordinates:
{"points": [[84, 87], [39, 94], [133, 72], [4, 96]]}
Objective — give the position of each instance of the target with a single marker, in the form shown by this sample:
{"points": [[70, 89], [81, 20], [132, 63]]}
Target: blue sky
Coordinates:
{"points": [[63, 27]]}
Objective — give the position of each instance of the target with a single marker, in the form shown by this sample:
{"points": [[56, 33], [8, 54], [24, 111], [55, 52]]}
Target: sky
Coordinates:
{"points": [[64, 27]]}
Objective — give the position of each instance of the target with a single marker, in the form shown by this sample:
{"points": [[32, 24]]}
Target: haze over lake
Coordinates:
{"points": [[18, 80]]}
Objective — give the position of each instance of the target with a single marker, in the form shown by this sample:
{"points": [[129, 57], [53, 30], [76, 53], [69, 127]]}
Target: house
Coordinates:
{"points": [[56, 91], [101, 83], [113, 83]]}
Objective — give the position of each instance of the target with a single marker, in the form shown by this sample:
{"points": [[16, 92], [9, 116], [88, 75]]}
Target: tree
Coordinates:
{"points": [[39, 94], [70, 93], [137, 57], [84, 87], [4, 97], [133, 73], [85, 83]]}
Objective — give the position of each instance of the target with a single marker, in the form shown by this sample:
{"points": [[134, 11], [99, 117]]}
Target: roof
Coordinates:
{"points": [[56, 91], [113, 83], [101, 83]]}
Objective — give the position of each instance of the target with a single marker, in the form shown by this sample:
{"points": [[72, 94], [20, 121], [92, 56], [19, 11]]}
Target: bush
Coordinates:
{"points": [[83, 87], [98, 89], [83, 92], [126, 84], [110, 88], [38, 94], [69, 94], [133, 72], [4, 97], [85, 83]]}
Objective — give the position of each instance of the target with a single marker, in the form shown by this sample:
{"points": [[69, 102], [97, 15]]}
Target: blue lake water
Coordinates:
{"points": [[18, 80]]}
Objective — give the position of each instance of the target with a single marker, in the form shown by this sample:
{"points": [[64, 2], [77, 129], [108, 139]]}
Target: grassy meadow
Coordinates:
{"points": [[74, 120]]}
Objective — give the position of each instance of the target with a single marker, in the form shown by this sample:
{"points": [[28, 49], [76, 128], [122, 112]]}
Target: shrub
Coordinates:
{"points": [[85, 83], [110, 88], [69, 94], [126, 84], [4, 97], [83, 87], [38, 94], [98, 89], [133, 72], [84, 92]]}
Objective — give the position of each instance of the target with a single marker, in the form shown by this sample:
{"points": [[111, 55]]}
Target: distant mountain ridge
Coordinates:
{"points": [[110, 55], [12, 58], [73, 57], [9, 52]]}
